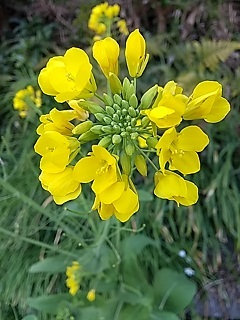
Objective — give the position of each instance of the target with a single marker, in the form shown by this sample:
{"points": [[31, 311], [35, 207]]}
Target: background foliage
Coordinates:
{"points": [[189, 41]]}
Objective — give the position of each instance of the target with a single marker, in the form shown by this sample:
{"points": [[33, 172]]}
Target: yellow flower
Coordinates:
{"points": [[82, 114], [120, 199], [91, 296], [20, 102], [58, 121], [66, 77], [55, 150], [206, 102], [173, 187], [135, 53], [62, 185], [169, 107], [179, 149], [99, 166], [123, 27], [73, 278], [106, 53]]}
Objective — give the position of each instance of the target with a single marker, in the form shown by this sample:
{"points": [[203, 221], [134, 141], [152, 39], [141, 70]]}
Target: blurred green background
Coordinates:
{"points": [[188, 42]]}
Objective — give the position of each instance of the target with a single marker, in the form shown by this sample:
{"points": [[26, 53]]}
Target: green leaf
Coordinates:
{"points": [[89, 313], [134, 312], [48, 303], [144, 195], [134, 244], [164, 315], [173, 291], [51, 265], [30, 317]]}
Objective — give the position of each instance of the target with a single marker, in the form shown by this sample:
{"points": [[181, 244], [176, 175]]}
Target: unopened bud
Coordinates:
{"points": [[129, 149], [105, 141], [107, 120], [110, 111], [116, 118], [117, 99], [97, 129], [125, 161], [100, 116], [133, 101], [87, 136], [125, 104], [151, 142], [115, 83], [148, 97], [107, 129], [134, 135], [82, 127], [90, 106], [126, 84], [107, 99], [141, 165], [116, 139], [130, 91], [132, 112], [145, 122]]}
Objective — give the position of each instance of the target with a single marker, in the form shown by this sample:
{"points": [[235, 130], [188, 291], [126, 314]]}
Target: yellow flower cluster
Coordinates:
{"points": [[124, 130], [73, 278], [102, 18], [24, 97]]}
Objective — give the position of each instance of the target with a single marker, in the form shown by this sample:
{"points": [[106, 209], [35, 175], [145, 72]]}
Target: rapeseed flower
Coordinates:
{"points": [[91, 296], [73, 278], [122, 129]]}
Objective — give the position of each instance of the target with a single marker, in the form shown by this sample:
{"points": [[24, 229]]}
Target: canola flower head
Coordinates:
{"points": [[119, 129], [73, 277], [23, 99], [91, 296]]}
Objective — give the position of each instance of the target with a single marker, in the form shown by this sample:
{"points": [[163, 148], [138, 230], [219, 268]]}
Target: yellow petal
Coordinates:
{"points": [[68, 197], [192, 138], [186, 163], [112, 193], [103, 181], [75, 59], [166, 139], [219, 110], [106, 211], [192, 195], [127, 203], [85, 169], [44, 83]]}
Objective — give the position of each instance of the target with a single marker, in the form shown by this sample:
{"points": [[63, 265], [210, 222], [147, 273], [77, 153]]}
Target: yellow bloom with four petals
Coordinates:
{"points": [[66, 77], [179, 149], [206, 102]]}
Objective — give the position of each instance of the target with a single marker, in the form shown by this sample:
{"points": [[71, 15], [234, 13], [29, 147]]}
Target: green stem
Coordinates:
{"points": [[135, 83]]}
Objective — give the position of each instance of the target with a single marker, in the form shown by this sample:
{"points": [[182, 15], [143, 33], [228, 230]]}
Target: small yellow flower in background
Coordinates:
{"points": [[73, 278], [106, 53], [122, 25], [66, 77], [135, 53], [179, 149], [20, 102], [102, 16], [173, 187], [206, 102], [169, 107], [91, 296]]}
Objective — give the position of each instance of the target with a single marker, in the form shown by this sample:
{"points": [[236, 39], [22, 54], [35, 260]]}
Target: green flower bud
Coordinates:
{"points": [[124, 134], [129, 149], [133, 101], [117, 99], [115, 83], [141, 165], [90, 106], [125, 104], [148, 97], [132, 112], [107, 99], [116, 107], [107, 120], [97, 129], [110, 111], [125, 162], [82, 127], [151, 142], [116, 128], [133, 122], [116, 118], [124, 112], [105, 141], [134, 135], [145, 122], [87, 136], [100, 116], [130, 92], [107, 129], [126, 84], [116, 139]]}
